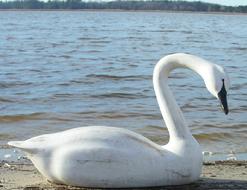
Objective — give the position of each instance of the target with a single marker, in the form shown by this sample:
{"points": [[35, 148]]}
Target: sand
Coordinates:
{"points": [[215, 175]]}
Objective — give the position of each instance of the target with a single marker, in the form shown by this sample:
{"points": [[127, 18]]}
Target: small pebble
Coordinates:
{"points": [[22, 158], [19, 157], [6, 165]]}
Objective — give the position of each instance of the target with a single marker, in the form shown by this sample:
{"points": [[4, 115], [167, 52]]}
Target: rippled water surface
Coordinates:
{"points": [[61, 70]]}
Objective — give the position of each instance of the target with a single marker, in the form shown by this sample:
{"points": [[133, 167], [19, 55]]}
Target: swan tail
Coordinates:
{"points": [[23, 146]]}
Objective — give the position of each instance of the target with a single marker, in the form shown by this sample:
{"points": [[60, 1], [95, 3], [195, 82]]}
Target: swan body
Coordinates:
{"points": [[110, 157], [99, 156]]}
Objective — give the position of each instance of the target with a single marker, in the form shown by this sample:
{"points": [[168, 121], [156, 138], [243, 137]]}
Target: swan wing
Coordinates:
{"points": [[111, 137]]}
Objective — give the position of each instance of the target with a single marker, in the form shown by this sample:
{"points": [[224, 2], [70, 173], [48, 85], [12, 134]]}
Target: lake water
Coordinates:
{"points": [[63, 69]]}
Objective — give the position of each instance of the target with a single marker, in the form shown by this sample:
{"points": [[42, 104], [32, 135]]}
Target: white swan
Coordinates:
{"points": [[111, 157]]}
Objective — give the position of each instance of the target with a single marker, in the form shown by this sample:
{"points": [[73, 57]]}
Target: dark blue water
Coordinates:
{"points": [[63, 69]]}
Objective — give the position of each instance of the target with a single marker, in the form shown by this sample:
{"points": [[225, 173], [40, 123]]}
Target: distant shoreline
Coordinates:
{"points": [[132, 5], [121, 10]]}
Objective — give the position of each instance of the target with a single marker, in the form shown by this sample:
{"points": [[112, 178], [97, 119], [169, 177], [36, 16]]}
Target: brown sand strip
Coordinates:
{"points": [[215, 175]]}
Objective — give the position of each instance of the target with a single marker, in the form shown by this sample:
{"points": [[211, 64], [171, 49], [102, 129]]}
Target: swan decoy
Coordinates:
{"points": [[110, 157]]}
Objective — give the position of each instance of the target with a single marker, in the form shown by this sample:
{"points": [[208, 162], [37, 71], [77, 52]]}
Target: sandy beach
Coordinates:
{"points": [[215, 175]]}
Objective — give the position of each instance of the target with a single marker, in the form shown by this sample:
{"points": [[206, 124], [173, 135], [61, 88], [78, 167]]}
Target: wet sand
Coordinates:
{"points": [[215, 175]]}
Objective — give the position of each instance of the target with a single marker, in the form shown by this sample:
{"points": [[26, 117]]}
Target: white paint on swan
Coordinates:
{"points": [[109, 157]]}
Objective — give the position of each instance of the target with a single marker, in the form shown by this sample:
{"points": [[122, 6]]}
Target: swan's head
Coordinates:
{"points": [[217, 83]]}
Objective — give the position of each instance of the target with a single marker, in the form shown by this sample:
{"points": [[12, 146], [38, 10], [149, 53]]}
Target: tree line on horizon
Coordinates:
{"points": [[166, 5]]}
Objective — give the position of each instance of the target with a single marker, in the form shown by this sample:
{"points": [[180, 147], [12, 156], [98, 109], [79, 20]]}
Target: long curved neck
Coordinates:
{"points": [[171, 112]]}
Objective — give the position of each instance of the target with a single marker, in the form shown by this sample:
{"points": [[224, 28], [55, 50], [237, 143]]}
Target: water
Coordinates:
{"points": [[60, 70]]}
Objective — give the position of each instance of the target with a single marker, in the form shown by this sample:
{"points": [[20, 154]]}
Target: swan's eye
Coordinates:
{"points": [[223, 97]]}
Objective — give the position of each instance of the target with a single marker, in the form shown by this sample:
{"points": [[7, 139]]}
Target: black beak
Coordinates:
{"points": [[223, 98]]}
